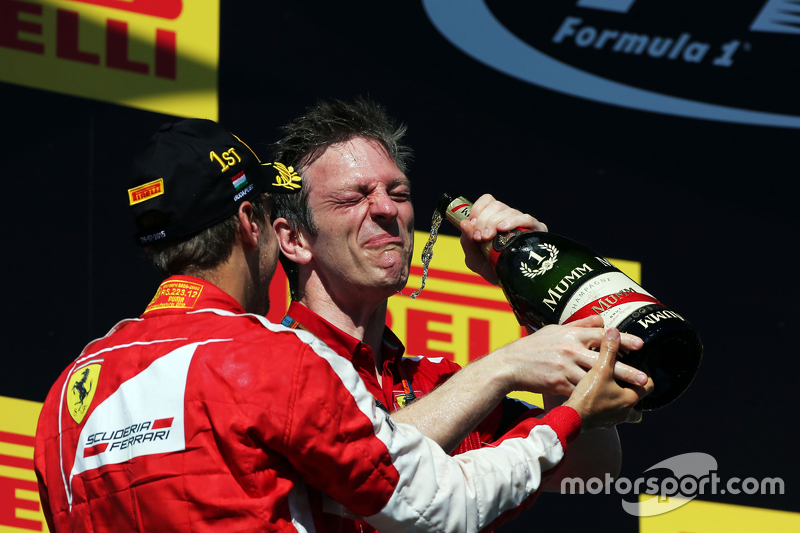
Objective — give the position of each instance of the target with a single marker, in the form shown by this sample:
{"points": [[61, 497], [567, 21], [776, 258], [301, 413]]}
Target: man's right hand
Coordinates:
{"points": [[555, 358], [599, 400], [551, 361]]}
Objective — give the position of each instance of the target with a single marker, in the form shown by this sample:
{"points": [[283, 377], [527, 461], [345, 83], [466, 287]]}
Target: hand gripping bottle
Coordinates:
{"points": [[549, 279]]}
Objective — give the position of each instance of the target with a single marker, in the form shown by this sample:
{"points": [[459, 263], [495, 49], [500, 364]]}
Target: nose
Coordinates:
{"points": [[382, 206]]}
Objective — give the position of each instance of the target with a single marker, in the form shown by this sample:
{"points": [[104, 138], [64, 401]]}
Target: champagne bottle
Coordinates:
{"points": [[549, 279]]}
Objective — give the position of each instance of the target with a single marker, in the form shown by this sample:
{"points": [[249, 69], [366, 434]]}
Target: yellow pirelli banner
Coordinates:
{"points": [[19, 493], [157, 55]]}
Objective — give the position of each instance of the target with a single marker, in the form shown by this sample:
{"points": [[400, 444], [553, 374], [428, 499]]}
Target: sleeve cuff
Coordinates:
{"points": [[566, 422]]}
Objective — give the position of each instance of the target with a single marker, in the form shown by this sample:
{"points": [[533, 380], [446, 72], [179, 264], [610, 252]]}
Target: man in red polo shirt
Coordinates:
{"points": [[346, 245]]}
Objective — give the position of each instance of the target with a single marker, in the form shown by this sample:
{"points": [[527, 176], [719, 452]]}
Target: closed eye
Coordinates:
{"points": [[401, 196]]}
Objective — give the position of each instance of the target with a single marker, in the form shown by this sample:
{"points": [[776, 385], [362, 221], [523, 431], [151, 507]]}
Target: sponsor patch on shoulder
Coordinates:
{"points": [[175, 294], [145, 192]]}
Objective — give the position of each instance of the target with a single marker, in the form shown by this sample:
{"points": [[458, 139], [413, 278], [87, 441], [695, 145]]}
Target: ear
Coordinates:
{"points": [[294, 244], [248, 229]]}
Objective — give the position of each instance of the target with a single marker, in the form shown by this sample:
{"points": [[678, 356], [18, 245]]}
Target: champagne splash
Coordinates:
{"points": [[427, 253]]}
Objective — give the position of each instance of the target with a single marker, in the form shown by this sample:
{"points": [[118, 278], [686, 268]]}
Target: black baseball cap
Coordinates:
{"points": [[192, 175]]}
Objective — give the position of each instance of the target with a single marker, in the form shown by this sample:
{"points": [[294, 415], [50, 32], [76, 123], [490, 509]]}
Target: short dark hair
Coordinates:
{"points": [[335, 121], [327, 123], [205, 250]]}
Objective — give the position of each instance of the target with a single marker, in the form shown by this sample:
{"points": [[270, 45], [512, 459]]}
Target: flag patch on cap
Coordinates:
{"points": [[239, 180], [145, 192]]}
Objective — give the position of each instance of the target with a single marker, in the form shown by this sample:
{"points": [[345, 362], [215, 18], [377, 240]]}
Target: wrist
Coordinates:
{"points": [[492, 375], [504, 370], [553, 401]]}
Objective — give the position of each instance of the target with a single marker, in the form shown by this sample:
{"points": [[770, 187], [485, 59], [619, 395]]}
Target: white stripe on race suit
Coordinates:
{"points": [[469, 490], [154, 394], [437, 492]]}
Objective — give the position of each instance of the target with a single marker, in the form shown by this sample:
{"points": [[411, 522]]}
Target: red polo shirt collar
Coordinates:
{"points": [[355, 351]]}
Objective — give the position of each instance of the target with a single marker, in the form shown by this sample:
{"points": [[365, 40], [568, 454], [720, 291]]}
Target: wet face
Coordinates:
{"points": [[362, 208]]}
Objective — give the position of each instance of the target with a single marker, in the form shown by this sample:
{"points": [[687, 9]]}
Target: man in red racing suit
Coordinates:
{"points": [[203, 416], [211, 419]]}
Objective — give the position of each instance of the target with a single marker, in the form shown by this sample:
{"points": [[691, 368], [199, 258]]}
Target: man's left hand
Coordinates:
{"points": [[488, 218]]}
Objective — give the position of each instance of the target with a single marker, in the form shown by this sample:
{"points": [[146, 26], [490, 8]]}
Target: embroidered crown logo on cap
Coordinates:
{"points": [[192, 175]]}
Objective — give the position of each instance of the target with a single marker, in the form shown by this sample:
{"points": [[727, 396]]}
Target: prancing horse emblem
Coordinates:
{"points": [[82, 386]]}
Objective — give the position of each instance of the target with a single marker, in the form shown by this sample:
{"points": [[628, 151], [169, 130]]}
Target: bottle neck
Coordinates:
{"points": [[458, 209]]}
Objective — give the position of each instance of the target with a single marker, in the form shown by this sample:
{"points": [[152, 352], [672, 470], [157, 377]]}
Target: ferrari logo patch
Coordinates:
{"points": [[80, 390]]}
